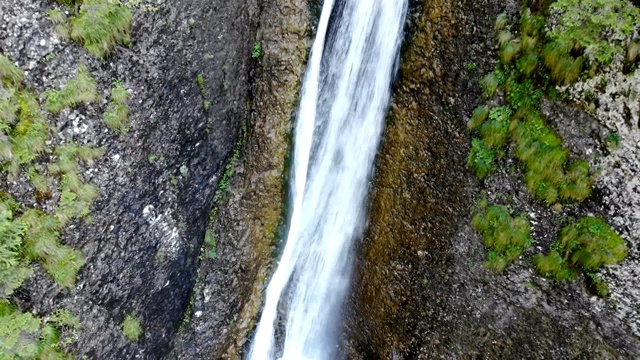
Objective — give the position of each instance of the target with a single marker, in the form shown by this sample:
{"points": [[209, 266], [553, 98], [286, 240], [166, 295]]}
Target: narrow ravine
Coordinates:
{"points": [[344, 99]]}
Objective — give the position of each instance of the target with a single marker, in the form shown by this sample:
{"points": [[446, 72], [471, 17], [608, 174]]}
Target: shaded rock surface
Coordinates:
{"points": [[420, 289], [143, 242], [228, 295]]}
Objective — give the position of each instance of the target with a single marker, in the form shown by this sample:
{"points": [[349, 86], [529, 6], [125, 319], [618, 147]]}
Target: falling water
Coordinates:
{"points": [[344, 99]]}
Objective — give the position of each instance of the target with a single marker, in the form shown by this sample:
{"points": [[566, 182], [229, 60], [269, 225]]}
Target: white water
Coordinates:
{"points": [[344, 99]]}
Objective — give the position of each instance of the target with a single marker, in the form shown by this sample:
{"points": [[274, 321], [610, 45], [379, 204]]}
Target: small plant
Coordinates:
{"points": [[151, 158], [131, 328], [117, 111], [23, 336], [9, 72], [471, 66], [81, 89], [211, 243], [584, 246], [200, 79], [257, 50], [481, 158], [612, 140], [582, 24], [505, 236], [100, 25]]}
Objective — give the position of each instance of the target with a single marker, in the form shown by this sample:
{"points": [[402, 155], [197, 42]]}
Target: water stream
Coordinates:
{"points": [[343, 103]]}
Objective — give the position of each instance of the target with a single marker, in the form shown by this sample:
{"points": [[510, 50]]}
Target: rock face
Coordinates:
{"points": [[228, 295], [420, 289], [147, 227]]}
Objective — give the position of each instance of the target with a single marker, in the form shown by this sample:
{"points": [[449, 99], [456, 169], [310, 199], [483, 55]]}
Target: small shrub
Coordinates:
{"points": [[23, 336], [531, 25], [131, 328], [495, 131], [100, 26], [481, 158], [505, 236], [509, 51], [528, 63], [490, 84], [504, 37], [81, 89], [584, 246]]}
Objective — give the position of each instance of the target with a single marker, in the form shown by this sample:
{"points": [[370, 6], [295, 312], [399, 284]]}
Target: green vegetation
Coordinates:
{"points": [[505, 236], [100, 25], [585, 246], [131, 328], [23, 336], [532, 63], [257, 50], [211, 243], [28, 234], [548, 173], [481, 158], [81, 89], [117, 111], [596, 28], [612, 140]]}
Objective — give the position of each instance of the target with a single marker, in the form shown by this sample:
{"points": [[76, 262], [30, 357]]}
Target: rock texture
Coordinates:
{"points": [[228, 296], [143, 242], [420, 289]]}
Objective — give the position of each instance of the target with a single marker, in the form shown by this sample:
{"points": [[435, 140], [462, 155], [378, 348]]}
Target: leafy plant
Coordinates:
{"points": [[505, 236], [257, 50], [481, 158], [584, 246], [582, 24]]}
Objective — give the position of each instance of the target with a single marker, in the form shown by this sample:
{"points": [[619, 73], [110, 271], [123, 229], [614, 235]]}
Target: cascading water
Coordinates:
{"points": [[344, 98]]}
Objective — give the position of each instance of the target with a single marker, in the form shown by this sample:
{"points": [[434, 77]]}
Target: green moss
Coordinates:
{"points": [[505, 236], [100, 25], [256, 52], [81, 89], [131, 328]]}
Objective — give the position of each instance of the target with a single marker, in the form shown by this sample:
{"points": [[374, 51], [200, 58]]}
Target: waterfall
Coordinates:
{"points": [[343, 103]]}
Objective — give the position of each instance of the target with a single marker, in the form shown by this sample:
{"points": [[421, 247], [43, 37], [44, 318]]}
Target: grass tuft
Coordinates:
{"points": [[117, 111], [81, 89], [100, 26], [131, 328]]}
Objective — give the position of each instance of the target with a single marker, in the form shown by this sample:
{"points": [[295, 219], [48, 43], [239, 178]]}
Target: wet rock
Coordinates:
{"points": [[143, 242], [420, 289]]}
